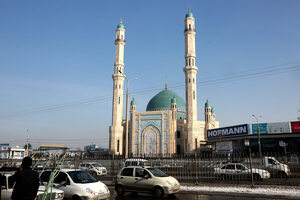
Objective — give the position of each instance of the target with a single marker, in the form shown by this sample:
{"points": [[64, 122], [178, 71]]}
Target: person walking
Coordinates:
{"points": [[26, 182]]}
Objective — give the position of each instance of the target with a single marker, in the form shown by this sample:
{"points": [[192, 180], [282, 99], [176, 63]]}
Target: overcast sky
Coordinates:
{"points": [[57, 58]]}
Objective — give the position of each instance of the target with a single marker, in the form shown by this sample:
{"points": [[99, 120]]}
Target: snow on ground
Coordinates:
{"points": [[280, 191]]}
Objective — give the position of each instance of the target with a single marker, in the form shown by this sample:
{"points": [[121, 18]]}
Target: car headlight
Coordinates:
{"points": [[59, 195], [89, 191], [169, 183], [106, 188]]}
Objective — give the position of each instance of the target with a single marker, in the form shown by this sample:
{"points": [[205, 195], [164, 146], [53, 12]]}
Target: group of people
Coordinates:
{"points": [[25, 181]]}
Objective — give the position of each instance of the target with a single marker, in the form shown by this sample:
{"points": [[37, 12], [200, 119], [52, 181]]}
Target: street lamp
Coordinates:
{"points": [[259, 145], [127, 110]]}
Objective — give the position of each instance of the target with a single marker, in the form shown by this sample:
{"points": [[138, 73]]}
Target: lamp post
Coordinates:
{"points": [[127, 111], [27, 143], [259, 144]]}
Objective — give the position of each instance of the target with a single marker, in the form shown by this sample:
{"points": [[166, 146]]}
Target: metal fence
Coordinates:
{"points": [[270, 169]]}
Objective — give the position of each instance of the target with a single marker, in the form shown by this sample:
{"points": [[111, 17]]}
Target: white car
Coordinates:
{"points": [[78, 184], [145, 179], [7, 191], [94, 169], [239, 171]]}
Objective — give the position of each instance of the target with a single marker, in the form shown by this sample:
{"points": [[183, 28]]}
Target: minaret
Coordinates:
{"points": [[190, 71], [208, 114], [116, 128], [132, 128]]}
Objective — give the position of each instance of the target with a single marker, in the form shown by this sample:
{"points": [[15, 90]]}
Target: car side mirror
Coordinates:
{"points": [[146, 176]]}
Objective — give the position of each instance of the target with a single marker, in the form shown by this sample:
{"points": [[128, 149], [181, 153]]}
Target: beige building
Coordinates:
{"points": [[169, 125]]}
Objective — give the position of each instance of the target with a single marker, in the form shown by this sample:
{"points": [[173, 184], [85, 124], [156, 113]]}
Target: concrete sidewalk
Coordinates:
{"points": [[270, 191]]}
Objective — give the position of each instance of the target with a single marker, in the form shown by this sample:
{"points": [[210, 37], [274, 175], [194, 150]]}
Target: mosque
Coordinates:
{"points": [[169, 125]]}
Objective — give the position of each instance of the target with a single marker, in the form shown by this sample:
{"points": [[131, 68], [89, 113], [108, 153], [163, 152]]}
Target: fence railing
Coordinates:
{"points": [[269, 168]]}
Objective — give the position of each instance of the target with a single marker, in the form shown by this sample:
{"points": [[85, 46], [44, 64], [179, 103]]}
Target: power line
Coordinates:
{"points": [[248, 74]]}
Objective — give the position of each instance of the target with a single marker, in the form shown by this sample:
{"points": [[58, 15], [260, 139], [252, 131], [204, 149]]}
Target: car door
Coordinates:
{"points": [[230, 170], [241, 171], [62, 182], [127, 178], [143, 179]]}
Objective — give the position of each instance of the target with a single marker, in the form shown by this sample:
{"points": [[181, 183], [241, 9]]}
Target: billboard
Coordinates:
{"points": [[262, 128], [271, 128], [224, 147], [295, 127], [228, 131], [280, 127]]}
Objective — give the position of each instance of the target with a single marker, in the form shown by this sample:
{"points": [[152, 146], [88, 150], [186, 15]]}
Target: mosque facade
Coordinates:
{"points": [[169, 125]]}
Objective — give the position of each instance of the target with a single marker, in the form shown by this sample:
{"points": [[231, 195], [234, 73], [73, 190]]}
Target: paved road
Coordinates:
{"points": [[180, 196]]}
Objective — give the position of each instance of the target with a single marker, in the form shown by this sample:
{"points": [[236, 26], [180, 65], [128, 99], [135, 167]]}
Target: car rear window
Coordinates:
{"points": [[45, 176], [127, 172]]}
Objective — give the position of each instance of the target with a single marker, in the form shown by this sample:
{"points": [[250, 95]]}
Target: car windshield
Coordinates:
{"points": [[157, 172], [96, 165], [81, 177]]}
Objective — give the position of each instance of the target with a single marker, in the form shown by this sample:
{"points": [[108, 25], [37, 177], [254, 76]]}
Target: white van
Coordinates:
{"points": [[78, 184], [136, 162]]}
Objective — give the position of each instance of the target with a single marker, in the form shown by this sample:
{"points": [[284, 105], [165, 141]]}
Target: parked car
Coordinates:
{"points": [[7, 190], [78, 184], [94, 169], [240, 171], [276, 168], [145, 179]]}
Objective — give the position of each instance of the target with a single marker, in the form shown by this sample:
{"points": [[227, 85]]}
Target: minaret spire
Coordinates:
{"points": [[190, 71], [166, 85], [116, 128]]}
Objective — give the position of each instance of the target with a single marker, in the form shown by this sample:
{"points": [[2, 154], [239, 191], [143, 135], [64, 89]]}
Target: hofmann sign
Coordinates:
{"points": [[228, 131]]}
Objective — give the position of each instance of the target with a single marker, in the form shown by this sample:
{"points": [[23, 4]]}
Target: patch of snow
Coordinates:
{"points": [[270, 191]]}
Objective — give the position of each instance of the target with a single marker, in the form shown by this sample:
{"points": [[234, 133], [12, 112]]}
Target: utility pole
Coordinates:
{"points": [[127, 114], [259, 144], [27, 146]]}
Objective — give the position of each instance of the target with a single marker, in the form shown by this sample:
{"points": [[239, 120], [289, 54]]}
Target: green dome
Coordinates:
{"points": [[121, 26], [212, 110], [162, 101], [207, 104], [189, 14], [173, 100], [133, 102]]}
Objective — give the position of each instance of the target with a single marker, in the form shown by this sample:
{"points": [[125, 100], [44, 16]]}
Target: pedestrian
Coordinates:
{"points": [[26, 181]]}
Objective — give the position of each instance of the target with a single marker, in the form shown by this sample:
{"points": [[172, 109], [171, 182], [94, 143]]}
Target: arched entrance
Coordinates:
{"points": [[150, 141]]}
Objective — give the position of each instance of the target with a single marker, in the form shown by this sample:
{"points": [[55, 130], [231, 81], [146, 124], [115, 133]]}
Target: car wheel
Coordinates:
{"points": [[158, 192], [223, 176], [120, 190], [282, 175], [75, 197], [256, 177]]}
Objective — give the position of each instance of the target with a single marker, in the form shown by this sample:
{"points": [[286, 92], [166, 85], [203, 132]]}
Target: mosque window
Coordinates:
{"points": [[178, 133], [193, 94], [120, 86], [165, 148], [165, 124], [136, 150], [119, 100], [118, 146], [193, 62], [190, 26], [189, 62], [116, 86], [193, 80], [136, 137], [196, 143], [122, 37], [165, 137], [189, 80]]}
